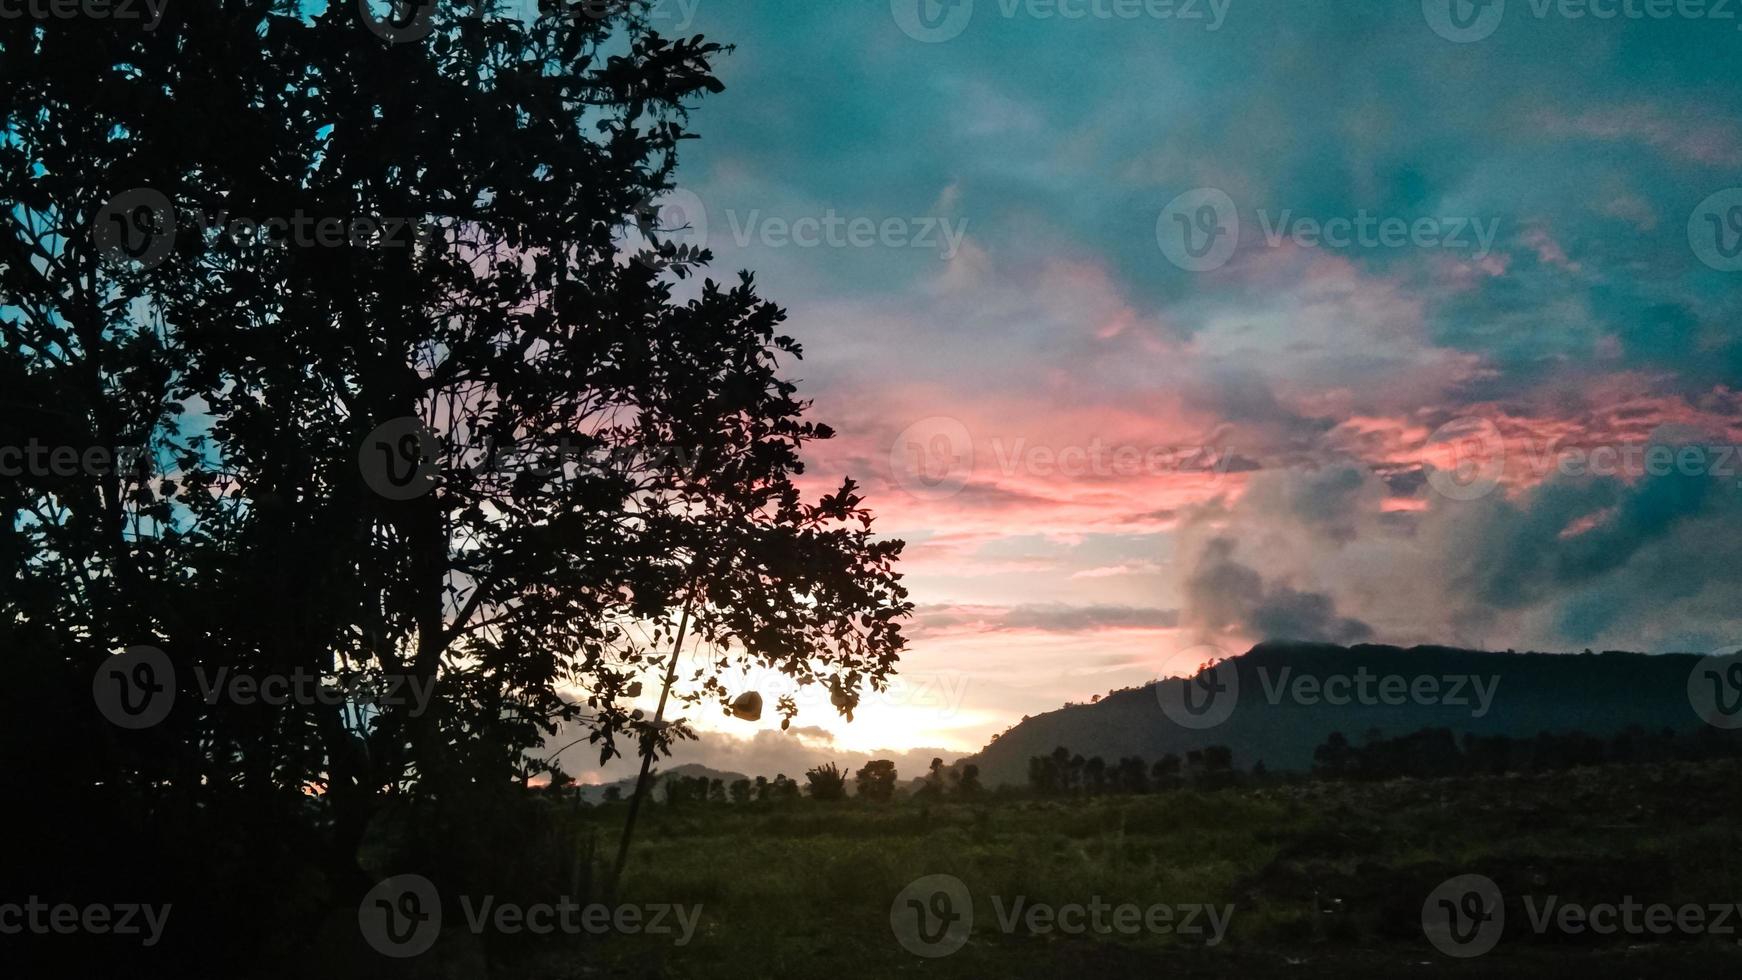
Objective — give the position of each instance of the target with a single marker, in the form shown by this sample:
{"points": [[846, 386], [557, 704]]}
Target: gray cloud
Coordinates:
{"points": [[1224, 594]]}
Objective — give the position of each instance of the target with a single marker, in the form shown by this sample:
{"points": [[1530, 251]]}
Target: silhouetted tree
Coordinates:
{"points": [[1131, 775], [827, 782], [1061, 761], [560, 459], [1335, 758], [935, 779], [1165, 774], [1095, 776], [969, 784], [1043, 775], [876, 780]]}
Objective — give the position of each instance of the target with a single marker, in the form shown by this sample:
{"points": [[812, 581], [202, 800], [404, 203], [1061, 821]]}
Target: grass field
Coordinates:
{"points": [[1324, 879]]}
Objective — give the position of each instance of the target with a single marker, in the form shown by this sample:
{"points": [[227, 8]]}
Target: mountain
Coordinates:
{"points": [[595, 792], [1275, 703]]}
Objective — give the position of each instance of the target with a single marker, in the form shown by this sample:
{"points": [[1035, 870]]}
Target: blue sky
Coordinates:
{"points": [[1510, 247]]}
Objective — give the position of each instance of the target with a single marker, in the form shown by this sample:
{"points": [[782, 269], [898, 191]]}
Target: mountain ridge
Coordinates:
{"points": [[1282, 706]]}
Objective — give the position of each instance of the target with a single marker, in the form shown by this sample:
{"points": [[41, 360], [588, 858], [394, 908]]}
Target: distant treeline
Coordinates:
{"points": [[1438, 752], [1065, 774], [875, 781], [1428, 753], [1424, 754]]}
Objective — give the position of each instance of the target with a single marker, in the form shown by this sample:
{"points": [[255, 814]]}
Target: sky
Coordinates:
{"points": [[1159, 329]]}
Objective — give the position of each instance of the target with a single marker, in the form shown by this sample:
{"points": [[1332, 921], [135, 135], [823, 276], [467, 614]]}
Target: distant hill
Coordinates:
{"points": [[1278, 718], [595, 792]]}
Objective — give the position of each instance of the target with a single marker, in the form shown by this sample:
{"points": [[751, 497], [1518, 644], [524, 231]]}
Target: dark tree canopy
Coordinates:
{"points": [[477, 448]]}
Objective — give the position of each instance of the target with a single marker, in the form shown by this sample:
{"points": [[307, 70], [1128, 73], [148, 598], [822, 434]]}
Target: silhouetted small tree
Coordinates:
{"points": [[935, 779], [876, 781], [1095, 776], [1165, 774], [1335, 759], [969, 784], [827, 782], [1043, 775], [1131, 776]]}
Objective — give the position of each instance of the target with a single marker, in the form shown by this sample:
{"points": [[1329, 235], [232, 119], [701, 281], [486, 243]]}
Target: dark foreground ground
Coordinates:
{"points": [[1324, 879], [1309, 878]]}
